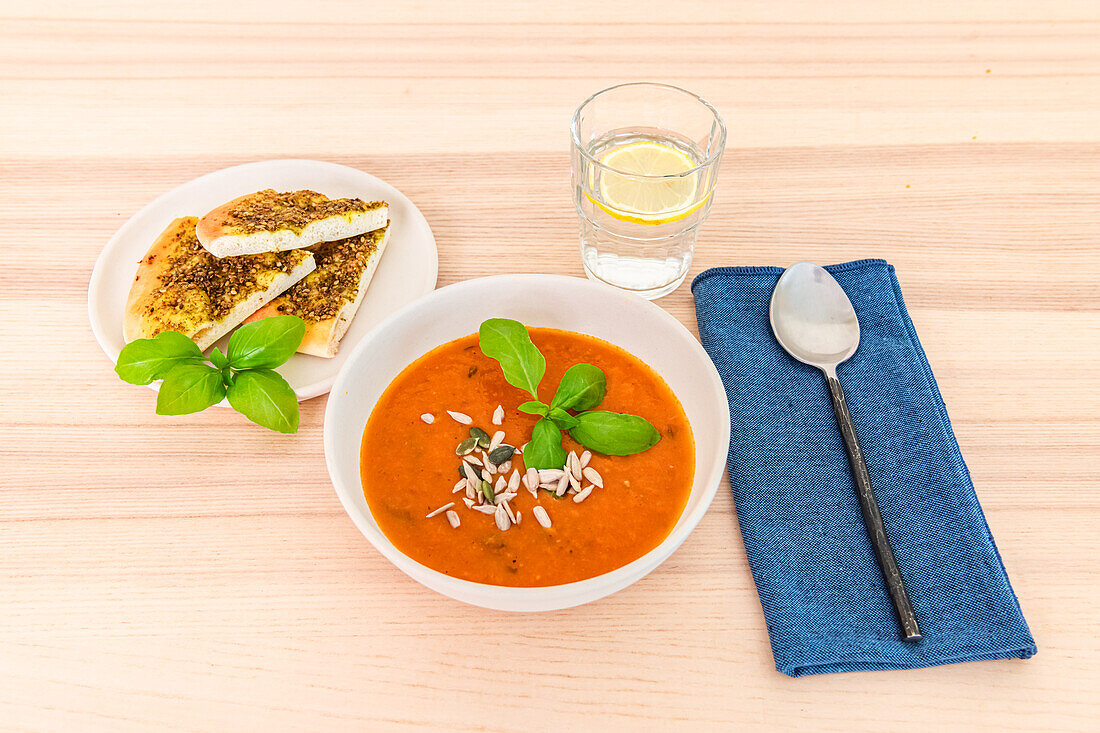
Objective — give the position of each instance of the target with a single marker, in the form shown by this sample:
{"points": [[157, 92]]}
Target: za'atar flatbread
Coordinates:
{"points": [[327, 298], [179, 286], [273, 221]]}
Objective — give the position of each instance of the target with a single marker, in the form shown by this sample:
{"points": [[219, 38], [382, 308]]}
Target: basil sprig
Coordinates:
{"points": [[582, 388], [245, 375]]}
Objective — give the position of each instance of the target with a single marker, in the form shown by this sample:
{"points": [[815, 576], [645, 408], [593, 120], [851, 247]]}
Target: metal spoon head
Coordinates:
{"points": [[812, 318]]}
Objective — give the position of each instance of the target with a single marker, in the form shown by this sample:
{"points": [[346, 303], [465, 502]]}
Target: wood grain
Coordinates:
{"points": [[196, 573]]}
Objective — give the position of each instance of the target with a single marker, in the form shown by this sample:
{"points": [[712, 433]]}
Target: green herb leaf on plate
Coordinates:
{"points": [[267, 343], [218, 359], [544, 449], [508, 342], [265, 398], [613, 433], [562, 419], [189, 387], [147, 360], [534, 407], [582, 387]]}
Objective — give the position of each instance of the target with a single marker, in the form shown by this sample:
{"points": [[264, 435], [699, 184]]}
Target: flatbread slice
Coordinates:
{"points": [[327, 298], [270, 221], [180, 286]]}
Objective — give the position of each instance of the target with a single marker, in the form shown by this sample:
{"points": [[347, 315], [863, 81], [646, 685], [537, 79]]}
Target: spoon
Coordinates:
{"points": [[814, 322]]}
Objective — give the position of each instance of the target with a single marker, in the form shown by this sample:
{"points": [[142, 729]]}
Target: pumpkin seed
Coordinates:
{"points": [[487, 491], [501, 454], [466, 447], [480, 436]]}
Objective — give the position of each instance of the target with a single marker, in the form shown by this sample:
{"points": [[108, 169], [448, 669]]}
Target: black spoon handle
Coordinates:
{"points": [[872, 517]]}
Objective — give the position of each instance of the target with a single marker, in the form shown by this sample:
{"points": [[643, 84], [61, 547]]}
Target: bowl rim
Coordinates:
{"points": [[526, 598]]}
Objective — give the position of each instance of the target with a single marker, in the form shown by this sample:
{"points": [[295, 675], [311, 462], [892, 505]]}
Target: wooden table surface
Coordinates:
{"points": [[199, 573]]}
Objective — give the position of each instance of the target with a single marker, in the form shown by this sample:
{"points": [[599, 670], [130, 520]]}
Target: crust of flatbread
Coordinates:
{"points": [[149, 279], [323, 337], [221, 239]]}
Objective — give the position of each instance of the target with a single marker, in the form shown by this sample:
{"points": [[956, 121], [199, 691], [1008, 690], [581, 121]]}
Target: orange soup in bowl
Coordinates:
{"points": [[429, 478]]}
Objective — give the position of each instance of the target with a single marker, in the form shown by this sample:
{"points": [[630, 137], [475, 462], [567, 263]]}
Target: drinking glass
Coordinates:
{"points": [[644, 165]]}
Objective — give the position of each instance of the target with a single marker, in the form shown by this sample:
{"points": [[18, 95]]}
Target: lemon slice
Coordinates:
{"points": [[648, 200]]}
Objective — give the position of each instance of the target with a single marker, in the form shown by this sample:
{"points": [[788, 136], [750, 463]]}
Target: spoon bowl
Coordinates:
{"points": [[812, 317]]}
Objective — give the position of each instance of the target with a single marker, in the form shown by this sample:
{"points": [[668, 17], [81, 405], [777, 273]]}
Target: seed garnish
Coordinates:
{"points": [[503, 522], [466, 447], [593, 475], [497, 439], [563, 484], [460, 417], [582, 495], [487, 491], [452, 517], [498, 415], [441, 509], [585, 458], [541, 516], [428, 417], [501, 454], [481, 436]]}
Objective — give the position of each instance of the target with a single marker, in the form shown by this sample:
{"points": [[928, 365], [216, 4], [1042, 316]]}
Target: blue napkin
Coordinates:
{"points": [[823, 596]]}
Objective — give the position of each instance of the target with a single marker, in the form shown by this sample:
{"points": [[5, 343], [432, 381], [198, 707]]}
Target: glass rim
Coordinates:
{"points": [[574, 131]]}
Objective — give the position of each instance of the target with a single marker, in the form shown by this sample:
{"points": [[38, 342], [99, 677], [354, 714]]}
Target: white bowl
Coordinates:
{"points": [[573, 304]]}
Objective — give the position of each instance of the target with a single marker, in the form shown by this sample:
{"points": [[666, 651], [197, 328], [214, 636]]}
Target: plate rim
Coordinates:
{"points": [[100, 268]]}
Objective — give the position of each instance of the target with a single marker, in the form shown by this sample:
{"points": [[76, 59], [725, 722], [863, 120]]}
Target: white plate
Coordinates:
{"points": [[633, 323], [407, 270]]}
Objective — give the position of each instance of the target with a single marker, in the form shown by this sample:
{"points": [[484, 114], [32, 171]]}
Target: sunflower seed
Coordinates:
{"points": [[485, 509], [541, 516], [518, 517], [500, 485], [563, 484], [489, 465], [505, 496], [473, 459], [452, 517], [574, 483], [594, 476], [460, 417], [585, 458], [582, 495], [466, 447], [485, 475], [440, 510], [532, 478], [470, 471], [497, 439], [513, 480], [506, 467], [428, 417], [459, 486], [498, 415], [468, 502], [511, 514], [550, 474], [572, 464], [472, 489], [503, 522]]}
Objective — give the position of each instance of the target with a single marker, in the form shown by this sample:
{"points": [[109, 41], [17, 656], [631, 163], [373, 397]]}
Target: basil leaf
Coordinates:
{"points": [[534, 407], [218, 359], [544, 449], [582, 387], [146, 360], [265, 398], [562, 419], [266, 343], [508, 342], [189, 387], [613, 433]]}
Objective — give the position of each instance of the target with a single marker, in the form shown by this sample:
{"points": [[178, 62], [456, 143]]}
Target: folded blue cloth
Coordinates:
{"points": [[823, 596]]}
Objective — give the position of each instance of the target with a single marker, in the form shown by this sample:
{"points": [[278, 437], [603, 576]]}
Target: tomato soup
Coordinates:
{"points": [[409, 467]]}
